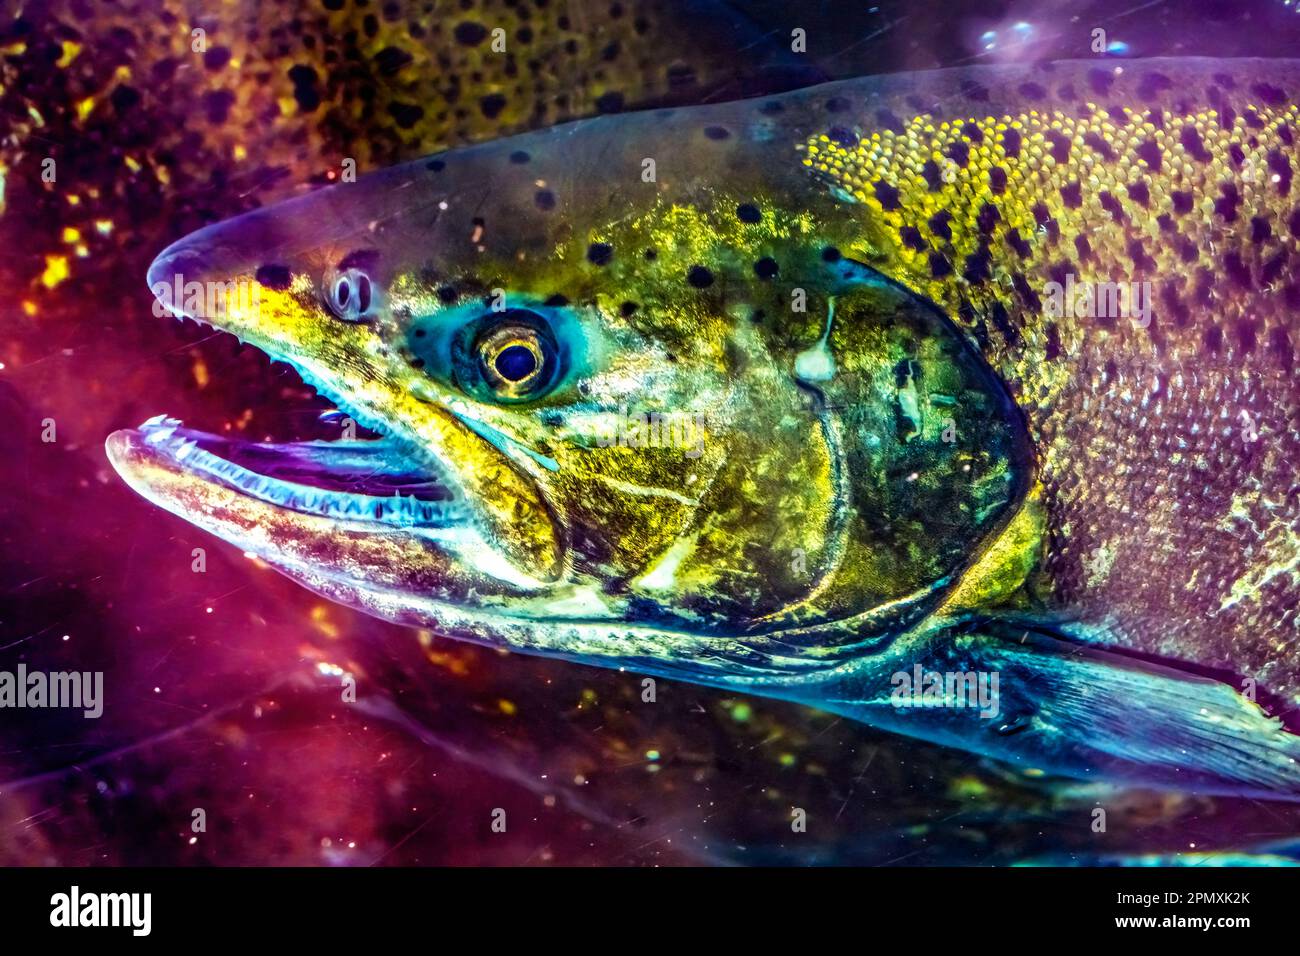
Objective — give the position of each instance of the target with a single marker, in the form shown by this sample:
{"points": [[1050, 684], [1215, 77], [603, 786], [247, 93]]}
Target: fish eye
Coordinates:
{"points": [[512, 356], [350, 295]]}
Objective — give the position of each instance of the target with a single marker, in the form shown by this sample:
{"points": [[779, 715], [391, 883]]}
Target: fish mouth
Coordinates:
{"points": [[368, 481]]}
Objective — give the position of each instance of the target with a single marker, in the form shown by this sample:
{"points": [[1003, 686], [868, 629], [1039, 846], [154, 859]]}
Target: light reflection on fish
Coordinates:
{"points": [[911, 463]]}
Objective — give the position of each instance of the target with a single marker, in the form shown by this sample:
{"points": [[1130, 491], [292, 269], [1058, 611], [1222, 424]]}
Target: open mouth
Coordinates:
{"points": [[361, 480]]}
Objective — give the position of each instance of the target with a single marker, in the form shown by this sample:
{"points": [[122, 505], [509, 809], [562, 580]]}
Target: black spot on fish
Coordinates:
{"points": [[1260, 230], [831, 254], [1153, 84], [275, 277], [610, 102], [972, 132], [717, 132], [390, 60], [1279, 343], [998, 180], [766, 268], [1002, 322], [1141, 261], [1032, 91], [1060, 144], [1027, 295], [1083, 247], [519, 157], [748, 212], [556, 300], [973, 91], [958, 152], [977, 266], [843, 136], [437, 165], [447, 294], [216, 104], [939, 266], [1099, 146], [1236, 269], [1187, 250], [600, 253], [364, 259], [1226, 205], [544, 199], [1111, 205], [1227, 117], [628, 309], [1183, 200], [1139, 193], [470, 33], [492, 105], [1022, 248], [1213, 339], [886, 195], [887, 120], [987, 218], [1053, 350], [1101, 81], [939, 224], [699, 277], [1191, 141], [304, 87], [837, 104], [1272, 269], [1072, 195], [216, 58], [405, 115], [1149, 152], [930, 173], [1011, 142], [1272, 95], [911, 237], [1174, 305], [1247, 334]]}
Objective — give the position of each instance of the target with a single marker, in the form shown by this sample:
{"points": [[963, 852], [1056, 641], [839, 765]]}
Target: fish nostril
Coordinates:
{"points": [[350, 295]]}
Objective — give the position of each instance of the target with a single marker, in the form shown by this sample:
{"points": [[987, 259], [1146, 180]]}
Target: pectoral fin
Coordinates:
{"points": [[1077, 711]]}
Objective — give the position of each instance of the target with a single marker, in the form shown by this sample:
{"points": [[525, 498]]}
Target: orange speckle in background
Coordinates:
{"points": [[71, 234], [201, 376], [29, 307], [320, 616], [56, 270]]}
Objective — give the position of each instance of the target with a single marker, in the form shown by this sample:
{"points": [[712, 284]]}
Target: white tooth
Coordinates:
{"points": [[185, 448], [159, 434], [156, 420]]}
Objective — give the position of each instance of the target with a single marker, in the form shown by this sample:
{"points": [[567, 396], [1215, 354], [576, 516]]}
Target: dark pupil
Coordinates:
{"points": [[515, 363]]}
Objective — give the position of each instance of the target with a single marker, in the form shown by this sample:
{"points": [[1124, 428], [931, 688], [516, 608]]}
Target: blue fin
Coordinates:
{"points": [[1077, 711]]}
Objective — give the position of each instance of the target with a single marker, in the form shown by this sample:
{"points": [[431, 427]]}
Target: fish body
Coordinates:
{"points": [[979, 382]]}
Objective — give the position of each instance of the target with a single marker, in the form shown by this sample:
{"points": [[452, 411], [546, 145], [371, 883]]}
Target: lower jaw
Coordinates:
{"points": [[366, 481]]}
